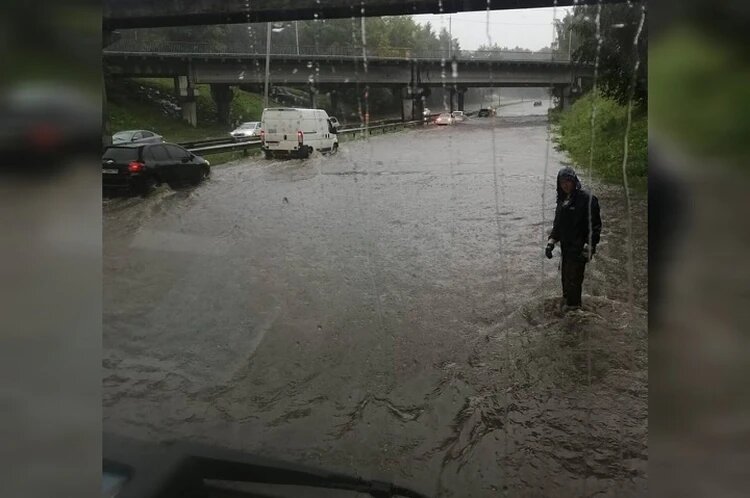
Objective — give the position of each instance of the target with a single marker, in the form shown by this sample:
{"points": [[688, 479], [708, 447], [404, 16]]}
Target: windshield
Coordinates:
{"points": [[249, 126], [401, 296], [123, 136]]}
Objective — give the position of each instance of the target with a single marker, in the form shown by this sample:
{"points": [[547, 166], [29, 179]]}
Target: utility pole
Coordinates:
{"points": [[268, 64]]}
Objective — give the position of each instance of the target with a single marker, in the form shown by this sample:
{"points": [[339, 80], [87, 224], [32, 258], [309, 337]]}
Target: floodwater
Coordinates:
{"points": [[387, 312]]}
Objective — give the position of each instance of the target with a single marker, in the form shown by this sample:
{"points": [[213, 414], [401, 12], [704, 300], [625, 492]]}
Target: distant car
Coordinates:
{"points": [[246, 131], [334, 122], [458, 116], [445, 119], [537, 103], [484, 113], [136, 137], [137, 168]]}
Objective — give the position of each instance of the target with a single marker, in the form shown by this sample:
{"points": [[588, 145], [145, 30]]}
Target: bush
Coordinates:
{"points": [[610, 122]]}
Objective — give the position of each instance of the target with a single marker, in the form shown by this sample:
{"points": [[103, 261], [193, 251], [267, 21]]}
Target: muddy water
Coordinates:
{"points": [[387, 312]]}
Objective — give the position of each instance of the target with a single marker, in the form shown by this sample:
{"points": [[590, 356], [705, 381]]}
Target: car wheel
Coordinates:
{"points": [[149, 184], [202, 175]]}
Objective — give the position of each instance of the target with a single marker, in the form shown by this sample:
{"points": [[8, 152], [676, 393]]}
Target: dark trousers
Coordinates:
{"points": [[573, 267]]}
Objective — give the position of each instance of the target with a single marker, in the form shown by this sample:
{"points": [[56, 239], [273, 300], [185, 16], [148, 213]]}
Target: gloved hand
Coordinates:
{"points": [[587, 252], [548, 249]]}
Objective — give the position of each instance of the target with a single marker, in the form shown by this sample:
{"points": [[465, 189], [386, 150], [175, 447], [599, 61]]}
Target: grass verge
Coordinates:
{"points": [[610, 122]]}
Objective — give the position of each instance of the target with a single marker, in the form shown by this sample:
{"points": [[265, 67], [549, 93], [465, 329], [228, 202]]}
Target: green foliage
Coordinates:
{"points": [[382, 35], [246, 106], [137, 115], [129, 109], [610, 123], [618, 28]]}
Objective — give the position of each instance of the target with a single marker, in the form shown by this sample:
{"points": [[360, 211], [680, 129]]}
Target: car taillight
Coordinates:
{"points": [[135, 167], [300, 137], [262, 136]]}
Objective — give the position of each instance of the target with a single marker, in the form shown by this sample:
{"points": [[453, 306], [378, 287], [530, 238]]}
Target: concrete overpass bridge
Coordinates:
{"points": [[122, 14], [408, 75]]}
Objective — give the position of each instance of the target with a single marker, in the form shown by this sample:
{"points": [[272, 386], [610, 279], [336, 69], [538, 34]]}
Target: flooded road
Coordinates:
{"points": [[387, 312]]}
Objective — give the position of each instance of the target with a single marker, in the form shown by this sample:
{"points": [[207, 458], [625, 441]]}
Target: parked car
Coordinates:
{"points": [[295, 132], [334, 122], [136, 137], [484, 113], [138, 168], [458, 116], [246, 131], [537, 103], [445, 119]]}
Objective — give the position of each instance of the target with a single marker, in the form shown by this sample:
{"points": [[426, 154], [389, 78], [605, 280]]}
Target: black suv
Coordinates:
{"points": [[139, 167]]}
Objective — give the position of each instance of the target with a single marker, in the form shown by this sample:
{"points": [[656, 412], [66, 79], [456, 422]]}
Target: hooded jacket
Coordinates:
{"points": [[571, 226]]}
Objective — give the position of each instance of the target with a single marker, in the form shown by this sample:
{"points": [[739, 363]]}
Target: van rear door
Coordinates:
{"points": [[280, 126]]}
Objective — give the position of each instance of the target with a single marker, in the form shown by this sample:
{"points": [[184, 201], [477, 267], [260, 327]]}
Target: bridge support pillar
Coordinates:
{"points": [[334, 102], [563, 95], [452, 98], [418, 108], [461, 98], [313, 94], [412, 99], [223, 95], [186, 93]]}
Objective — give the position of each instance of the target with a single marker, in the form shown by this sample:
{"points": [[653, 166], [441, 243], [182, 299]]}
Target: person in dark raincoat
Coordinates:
{"points": [[577, 227]]}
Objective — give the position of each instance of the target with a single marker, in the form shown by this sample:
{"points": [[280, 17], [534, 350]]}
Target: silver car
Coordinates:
{"points": [[445, 119], [136, 137], [458, 116], [246, 131]]}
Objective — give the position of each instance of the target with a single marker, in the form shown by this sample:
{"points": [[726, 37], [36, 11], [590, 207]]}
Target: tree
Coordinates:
{"points": [[617, 56]]}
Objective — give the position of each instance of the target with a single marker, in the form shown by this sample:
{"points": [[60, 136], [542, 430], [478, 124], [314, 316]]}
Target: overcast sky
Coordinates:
{"points": [[527, 28]]}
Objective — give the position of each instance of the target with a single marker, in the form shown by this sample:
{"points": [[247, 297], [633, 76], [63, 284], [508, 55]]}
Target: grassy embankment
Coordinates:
{"points": [[135, 104], [574, 136]]}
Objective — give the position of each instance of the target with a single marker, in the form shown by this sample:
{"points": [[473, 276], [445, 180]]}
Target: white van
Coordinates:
{"points": [[296, 132]]}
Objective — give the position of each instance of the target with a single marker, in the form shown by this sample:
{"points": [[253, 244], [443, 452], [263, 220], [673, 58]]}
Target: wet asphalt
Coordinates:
{"points": [[386, 311]]}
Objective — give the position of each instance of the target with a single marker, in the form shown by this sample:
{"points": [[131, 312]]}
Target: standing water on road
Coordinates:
{"points": [[359, 313]]}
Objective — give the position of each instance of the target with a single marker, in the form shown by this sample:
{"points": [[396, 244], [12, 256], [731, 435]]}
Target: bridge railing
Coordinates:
{"points": [[179, 47]]}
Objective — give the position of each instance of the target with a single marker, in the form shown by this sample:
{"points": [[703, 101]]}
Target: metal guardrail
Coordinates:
{"points": [[220, 145], [207, 147], [206, 142], [194, 48]]}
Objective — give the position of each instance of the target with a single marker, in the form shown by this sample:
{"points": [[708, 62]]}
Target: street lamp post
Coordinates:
{"points": [[268, 64], [296, 32]]}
